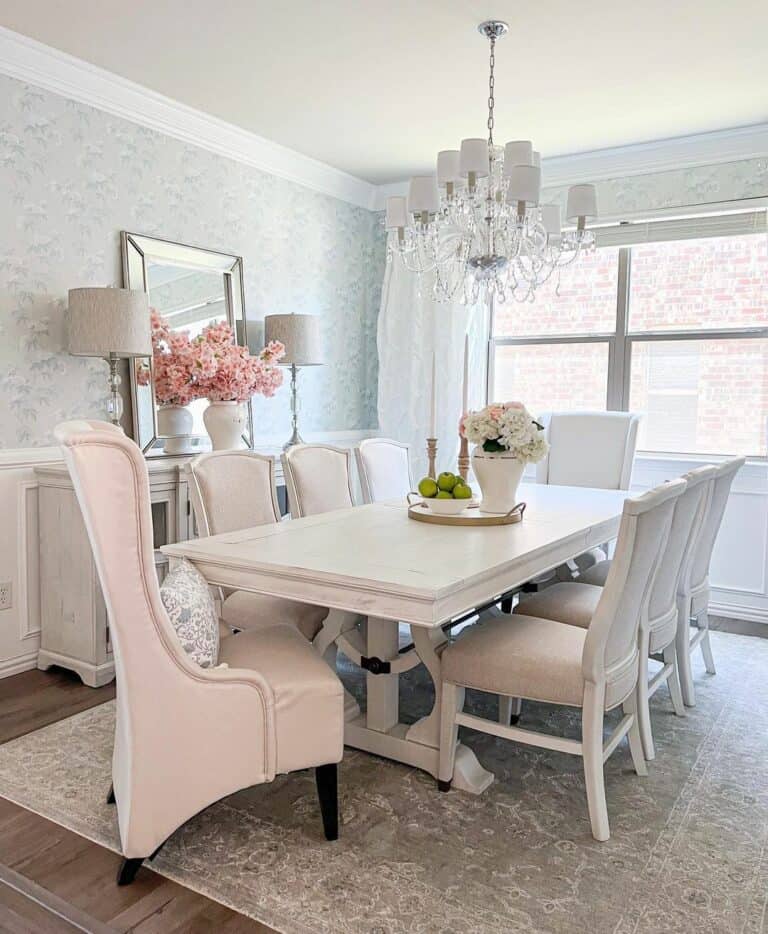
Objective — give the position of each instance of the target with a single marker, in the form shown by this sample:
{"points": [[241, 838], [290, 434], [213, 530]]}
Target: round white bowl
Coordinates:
{"points": [[447, 507]]}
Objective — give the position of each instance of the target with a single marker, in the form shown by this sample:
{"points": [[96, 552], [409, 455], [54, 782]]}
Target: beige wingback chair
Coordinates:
{"points": [[187, 736], [318, 478], [546, 660], [232, 490], [384, 469]]}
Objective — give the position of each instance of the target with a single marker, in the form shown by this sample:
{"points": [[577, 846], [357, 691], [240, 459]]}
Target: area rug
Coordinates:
{"points": [[687, 851]]}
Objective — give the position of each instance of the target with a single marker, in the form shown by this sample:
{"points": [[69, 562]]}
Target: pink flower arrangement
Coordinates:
{"points": [[210, 365]]}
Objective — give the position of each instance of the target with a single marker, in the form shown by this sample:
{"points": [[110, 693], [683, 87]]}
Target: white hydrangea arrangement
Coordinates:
{"points": [[506, 427]]}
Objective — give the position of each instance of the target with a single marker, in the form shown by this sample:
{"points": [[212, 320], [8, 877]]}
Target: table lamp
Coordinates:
{"points": [[113, 324], [300, 334]]}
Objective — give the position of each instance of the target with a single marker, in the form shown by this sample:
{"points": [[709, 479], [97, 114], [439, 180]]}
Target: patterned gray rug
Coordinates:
{"points": [[688, 848]]}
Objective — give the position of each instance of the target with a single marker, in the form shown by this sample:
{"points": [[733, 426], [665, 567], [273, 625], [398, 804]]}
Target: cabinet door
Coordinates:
{"points": [[73, 615]]}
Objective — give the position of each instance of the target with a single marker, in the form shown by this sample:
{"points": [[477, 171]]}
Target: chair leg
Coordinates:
{"points": [[636, 748], [592, 751], [111, 795], [673, 681], [509, 709], [643, 700], [702, 621], [682, 644], [506, 604], [452, 701], [326, 778], [127, 870]]}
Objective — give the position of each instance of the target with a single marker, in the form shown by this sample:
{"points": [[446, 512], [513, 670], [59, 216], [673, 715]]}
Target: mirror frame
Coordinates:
{"points": [[137, 250]]}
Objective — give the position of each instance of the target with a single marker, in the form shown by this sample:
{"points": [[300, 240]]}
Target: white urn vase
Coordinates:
{"points": [[175, 423], [225, 424], [498, 476]]}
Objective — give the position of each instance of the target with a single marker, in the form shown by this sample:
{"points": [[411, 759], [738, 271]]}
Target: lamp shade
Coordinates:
{"points": [[448, 167], [582, 202], [524, 184], [300, 335], [103, 321], [518, 152], [473, 157], [550, 218], [396, 213], [423, 195]]}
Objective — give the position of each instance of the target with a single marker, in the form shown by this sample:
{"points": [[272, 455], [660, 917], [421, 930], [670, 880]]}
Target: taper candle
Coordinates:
{"points": [[465, 385], [433, 400]]}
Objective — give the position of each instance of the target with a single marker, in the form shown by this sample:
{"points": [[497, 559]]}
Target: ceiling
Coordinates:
{"points": [[376, 89]]}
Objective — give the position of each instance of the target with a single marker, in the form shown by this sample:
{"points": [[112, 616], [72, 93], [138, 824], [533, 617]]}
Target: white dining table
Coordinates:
{"points": [[374, 562]]}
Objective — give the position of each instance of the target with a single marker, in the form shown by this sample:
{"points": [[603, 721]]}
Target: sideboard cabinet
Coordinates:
{"points": [[74, 627]]}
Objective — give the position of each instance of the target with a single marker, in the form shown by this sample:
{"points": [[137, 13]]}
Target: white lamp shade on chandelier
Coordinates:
{"points": [[477, 227], [299, 334], [103, 322]]}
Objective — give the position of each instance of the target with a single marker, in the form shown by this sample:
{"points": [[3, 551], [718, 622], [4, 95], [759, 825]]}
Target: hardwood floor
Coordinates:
{"points": [[52, 880]]}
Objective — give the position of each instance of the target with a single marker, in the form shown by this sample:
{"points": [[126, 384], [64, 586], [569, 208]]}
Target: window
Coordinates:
{"points": [[667, 318]]}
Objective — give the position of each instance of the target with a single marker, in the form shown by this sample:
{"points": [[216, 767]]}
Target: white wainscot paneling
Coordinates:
{"points": [[739, 570], [20, 625]]}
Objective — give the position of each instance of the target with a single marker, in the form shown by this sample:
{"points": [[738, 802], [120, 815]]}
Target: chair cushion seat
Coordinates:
{"points": [[572, 603], [520, 656], [309, 698], [597, 574], [247, 611]]}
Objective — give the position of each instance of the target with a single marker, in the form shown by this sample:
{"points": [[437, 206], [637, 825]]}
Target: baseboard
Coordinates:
{"points": [[753, 614], [15, 666]]}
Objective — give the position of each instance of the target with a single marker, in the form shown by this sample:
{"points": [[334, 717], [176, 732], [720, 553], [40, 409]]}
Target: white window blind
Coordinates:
{"points": [[685, 228]]}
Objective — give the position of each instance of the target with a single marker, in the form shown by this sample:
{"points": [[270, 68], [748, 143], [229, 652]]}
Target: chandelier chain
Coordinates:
{"points": [[491, 83]]}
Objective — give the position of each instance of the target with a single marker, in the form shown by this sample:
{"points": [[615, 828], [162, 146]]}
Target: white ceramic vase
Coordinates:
{"points": [[225, 424], [499, 476], [175, 423]]}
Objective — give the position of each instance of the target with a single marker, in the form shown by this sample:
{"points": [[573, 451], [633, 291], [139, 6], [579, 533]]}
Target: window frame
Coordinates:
{"points": [[621, 340]]}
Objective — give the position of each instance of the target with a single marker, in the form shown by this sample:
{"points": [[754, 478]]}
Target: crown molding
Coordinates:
{"points": [[38, 64], [683, 152]]}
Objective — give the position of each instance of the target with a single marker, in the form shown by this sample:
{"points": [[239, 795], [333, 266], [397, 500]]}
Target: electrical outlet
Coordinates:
{"points": [[6, 595]]}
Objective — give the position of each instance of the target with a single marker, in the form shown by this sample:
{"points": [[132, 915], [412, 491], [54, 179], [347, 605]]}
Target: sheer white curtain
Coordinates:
{"points": [[412, 325]]}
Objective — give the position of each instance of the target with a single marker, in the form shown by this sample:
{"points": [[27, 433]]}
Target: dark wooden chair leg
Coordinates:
{"points": [[506, 605], [326, 778], [111, 795], [443, 785], [126, 873]]}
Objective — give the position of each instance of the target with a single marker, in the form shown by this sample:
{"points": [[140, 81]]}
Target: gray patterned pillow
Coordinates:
{"points": [[192, 611]]}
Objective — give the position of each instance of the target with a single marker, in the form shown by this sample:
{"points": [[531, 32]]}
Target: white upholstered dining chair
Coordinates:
{"points": [[577, 601], [318, 478], [549, 661], [593, 449], [384, 468], [187, 736], [232, 490], [693, 596]]}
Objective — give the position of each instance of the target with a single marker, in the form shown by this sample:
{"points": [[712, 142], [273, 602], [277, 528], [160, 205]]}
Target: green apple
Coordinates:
{"points": [[446, 481], [462, 491], [428, 488]]}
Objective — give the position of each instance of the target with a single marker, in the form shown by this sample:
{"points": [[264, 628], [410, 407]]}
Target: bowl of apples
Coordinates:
{"points": [[448, 495]]}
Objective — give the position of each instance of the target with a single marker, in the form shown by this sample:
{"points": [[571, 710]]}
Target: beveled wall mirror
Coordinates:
{"points": [[191, 288]]}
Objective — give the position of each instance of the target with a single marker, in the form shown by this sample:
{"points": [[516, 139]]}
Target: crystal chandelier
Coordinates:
{"points": [[477, 227]]}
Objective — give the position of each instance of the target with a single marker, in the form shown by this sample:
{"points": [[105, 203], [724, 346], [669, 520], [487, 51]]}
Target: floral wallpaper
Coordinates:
{"points": [[73, 177], [726, 181]]}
